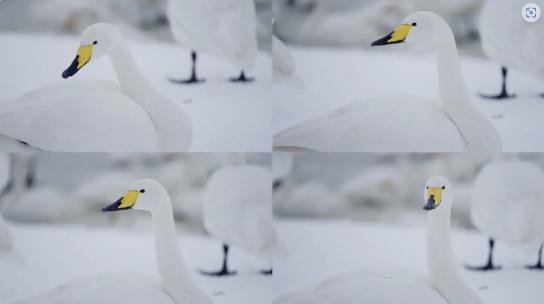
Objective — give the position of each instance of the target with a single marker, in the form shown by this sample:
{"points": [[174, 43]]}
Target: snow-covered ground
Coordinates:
{"points": [[47, 256], [328, 78], [320, 249], [226, 116]]}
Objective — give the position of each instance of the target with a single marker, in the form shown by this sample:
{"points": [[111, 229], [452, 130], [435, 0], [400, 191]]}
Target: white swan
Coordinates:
{"points": [[511, 41], [98, 115], [508, 205], [226, 29], [237, 206], [175, 285], [405, 124], [444, 284]]}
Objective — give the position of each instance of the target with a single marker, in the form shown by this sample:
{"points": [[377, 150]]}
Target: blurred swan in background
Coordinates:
{"points": [[237, 205], [508, 205], [23, 202], [356, 23], [226, 29], [6, 239], [511, 41]]}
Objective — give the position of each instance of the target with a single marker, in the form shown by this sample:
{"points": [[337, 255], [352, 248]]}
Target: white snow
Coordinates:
{"points": [[225, 116], [47, 256], [326, 248], [328, 78]]}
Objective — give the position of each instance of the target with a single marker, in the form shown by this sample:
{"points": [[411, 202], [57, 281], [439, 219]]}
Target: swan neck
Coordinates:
{"points": [[172, 270], [441, 262], [130, 77], [453, 91], [165, 114], [477, 131]]}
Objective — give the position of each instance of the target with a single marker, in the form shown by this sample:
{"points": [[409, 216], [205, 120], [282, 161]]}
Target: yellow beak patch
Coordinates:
{"points": [[400, 33], [84, 54], [436, 193], [83, 57], [129, 199]]}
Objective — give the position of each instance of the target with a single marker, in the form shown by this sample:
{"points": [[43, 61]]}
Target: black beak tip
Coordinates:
{"points": [[72, 69], [112, 207]]}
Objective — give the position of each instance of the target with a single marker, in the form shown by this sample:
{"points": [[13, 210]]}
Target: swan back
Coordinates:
{"points": [[89, 120]]}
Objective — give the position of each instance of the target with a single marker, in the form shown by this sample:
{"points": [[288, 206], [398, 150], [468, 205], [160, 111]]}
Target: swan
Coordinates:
{"points": [[98, 115], [237, 208], [443, 285], [508, 205], [518, 44], [226, 29], [175, 285], [402, 123]]}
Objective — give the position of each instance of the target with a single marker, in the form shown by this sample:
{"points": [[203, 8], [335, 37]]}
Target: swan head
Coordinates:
{"points": [[417, 28], [143, 194], [96, 41], [438, 190]]}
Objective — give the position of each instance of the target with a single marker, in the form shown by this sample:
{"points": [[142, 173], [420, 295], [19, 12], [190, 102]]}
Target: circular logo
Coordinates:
{"points": [[530, 12]]}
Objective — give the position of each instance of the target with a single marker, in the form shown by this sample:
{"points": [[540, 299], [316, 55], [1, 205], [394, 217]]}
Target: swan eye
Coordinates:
{"points": [[95, 42], [443, 187], [414, 24], [142, 191], [427, 187]]}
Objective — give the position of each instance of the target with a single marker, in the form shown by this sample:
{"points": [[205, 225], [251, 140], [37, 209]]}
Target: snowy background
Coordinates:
{"points": [[330, 40], [340, 212], [52, 201], [39, 39]]}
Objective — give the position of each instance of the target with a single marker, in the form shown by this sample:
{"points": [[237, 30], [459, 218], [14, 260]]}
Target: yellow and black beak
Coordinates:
{"points": [[396, 36], [433, 195], [83, 57], [126, 202]]}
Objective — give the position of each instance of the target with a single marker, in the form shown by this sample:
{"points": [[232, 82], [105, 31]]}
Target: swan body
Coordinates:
{"points": [[510, 40], [90, 289], [443, 285], [355, 127], [175, 284], [402, 123], [237, 206], [508, 202], [367, 286], [96, 115], [226, 29]]}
